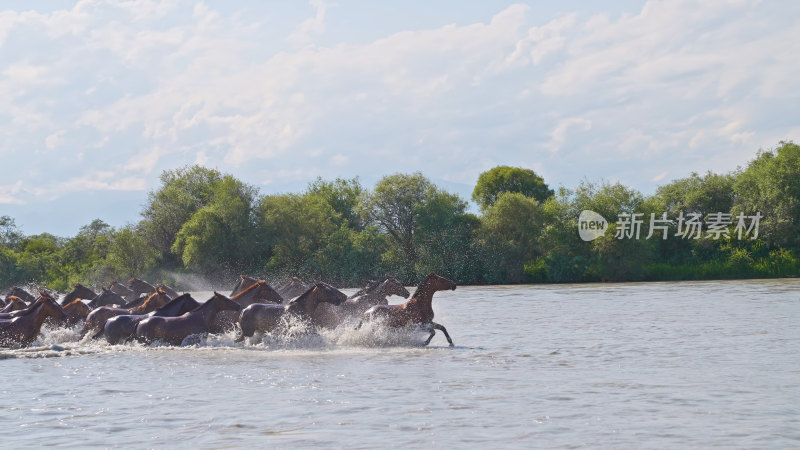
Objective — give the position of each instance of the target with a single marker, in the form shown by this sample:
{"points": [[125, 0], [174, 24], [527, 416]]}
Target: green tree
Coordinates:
{"points": [[710, 193], [294, 227], [771, 185], [509, 179], [413, 212], [510, 229], [219, 238], [130, 255], [343, 197], [183, 192]]}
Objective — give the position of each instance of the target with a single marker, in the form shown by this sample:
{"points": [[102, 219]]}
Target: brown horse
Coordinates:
{"points": [[23, 330], [244, 283], [14, 304], [17, 291], [171, 292], [261, 292], [76, 311], [97, 318], [292, 288], [106, 298], [140, 287], [120, 289], [79, 291], [418, 310], [261, 318], [374, 294], [121, 328], [174, 330]]}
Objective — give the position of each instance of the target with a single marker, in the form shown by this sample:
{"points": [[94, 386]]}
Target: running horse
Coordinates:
{"points": [[14, 304], [244, 283], [139, 286], [416, 311], [97, 318], [374, 293], [174, 330], [292, 288], [22, 330], [79, 291], [17, 291], [106, 298], [76, 312], [261, 292], [121, 328], [262, 318]]}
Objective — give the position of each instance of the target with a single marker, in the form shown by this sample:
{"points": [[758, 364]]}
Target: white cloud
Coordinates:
{"points": [[10, 194], [311, 27], [142, 86]]}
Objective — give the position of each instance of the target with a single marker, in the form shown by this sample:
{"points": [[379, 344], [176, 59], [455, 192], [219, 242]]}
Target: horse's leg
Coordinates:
{"points": [[433, 332], [360, 322], [436, 326]]}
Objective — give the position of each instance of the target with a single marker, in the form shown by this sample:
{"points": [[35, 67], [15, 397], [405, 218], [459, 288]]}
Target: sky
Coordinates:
{"points": [[98, 98]]}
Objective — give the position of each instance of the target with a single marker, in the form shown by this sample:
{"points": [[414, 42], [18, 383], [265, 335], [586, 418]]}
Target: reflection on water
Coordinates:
{"points": [[612, 365]]}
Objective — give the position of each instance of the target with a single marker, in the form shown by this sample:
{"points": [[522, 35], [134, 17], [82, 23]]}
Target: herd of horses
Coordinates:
{"points": [[141, 311]]}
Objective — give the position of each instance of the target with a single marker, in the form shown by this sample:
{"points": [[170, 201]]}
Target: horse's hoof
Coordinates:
{"points": [[452, 345]]}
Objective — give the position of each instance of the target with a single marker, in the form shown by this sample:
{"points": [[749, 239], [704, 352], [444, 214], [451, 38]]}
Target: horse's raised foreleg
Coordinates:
{"points": [[436, 326]]}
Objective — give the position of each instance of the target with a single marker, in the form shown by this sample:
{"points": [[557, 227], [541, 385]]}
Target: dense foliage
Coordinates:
{"points": [[203, 222]]}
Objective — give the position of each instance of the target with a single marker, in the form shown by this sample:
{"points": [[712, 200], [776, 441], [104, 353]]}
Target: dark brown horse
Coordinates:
{"points": [[261, 292], [96, 320], [174, 330], [374, 294], [14, 304], [263, 318], [76, 312], [416, 311], [244, 283], [171, 292], [140, 287], [23, 330], [17, 291], [106, 298], [122, 290], [121, 328], [79, 291], [292, 288]]}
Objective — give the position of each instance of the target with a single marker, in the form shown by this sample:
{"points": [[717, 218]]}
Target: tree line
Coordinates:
{"points": [[204, 222]]}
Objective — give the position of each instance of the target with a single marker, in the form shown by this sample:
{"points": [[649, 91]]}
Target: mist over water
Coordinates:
{"points": [[654, 365]]}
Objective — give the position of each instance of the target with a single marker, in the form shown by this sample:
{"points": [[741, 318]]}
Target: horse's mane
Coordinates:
{"points": [[305, 294], [77, 300], [201, 305], [250, 288], [150, 298]]}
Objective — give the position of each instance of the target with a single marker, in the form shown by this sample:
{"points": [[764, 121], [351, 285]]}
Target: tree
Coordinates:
{"points": [[710, 193], [183, 192], [294, 227], [219, 237], [510, 228], [509, 179], [129, 254], [397, 206], [10, 235], [770, 185], [343, 197]]}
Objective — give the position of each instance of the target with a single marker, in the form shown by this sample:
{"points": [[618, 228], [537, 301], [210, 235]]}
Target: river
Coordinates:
{"points": [[630, 365]]}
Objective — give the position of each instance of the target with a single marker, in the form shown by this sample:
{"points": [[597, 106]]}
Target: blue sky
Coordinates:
{"points": [[98, 97]]}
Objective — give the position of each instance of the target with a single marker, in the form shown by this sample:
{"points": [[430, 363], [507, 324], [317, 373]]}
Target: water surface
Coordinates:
{"points": [[654, 365]]}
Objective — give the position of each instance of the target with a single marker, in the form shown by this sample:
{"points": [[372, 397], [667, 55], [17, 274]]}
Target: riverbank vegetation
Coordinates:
{"points": [[201, 221]]}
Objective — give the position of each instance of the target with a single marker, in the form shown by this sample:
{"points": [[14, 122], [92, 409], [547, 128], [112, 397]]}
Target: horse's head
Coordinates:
{"points": [[120, 289], [50, 308], [107, 297], [318, 293], [440, 283], [224, 303], [392, 286], [140, 286]]}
